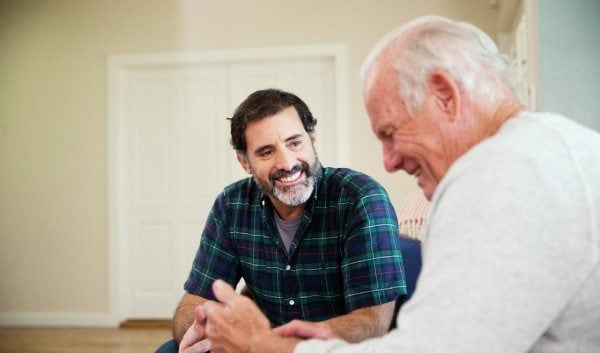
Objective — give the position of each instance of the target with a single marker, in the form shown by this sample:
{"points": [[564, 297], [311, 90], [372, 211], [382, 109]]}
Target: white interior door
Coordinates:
{"points": [[172, 157], [176, 153]]}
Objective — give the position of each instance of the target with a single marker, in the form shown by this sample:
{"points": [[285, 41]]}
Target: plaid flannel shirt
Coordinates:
{"points": [[345, 255]]}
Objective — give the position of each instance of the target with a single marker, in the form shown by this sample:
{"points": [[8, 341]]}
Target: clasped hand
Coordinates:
{"points": [[235, 324]]}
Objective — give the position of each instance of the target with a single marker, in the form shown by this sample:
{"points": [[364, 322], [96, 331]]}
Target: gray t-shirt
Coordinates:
{"points": [[287, 230], [511, 253]]}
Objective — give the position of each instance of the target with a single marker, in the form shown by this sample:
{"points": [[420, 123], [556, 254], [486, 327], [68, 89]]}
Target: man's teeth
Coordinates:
{"points": [[417, 172], [291, 178]]}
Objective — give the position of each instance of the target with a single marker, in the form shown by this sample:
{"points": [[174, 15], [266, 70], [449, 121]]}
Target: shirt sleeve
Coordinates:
{"points": [[215, 257], [372, 261]]}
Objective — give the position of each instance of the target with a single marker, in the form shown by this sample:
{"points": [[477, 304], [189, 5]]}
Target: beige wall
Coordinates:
{"points": [[53, 138]]}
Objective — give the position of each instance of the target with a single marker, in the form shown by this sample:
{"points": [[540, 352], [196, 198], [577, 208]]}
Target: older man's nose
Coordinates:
{"points": [[392, 160]]}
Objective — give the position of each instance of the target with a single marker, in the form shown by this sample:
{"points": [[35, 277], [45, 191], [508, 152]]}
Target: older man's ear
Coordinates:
{"points": [[444, 92]]}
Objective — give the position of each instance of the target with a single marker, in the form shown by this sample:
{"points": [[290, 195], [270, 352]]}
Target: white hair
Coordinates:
{"points": [[464, 51]]}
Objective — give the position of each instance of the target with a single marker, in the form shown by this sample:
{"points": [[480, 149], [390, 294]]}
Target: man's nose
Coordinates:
{"points": [[286, 160]]}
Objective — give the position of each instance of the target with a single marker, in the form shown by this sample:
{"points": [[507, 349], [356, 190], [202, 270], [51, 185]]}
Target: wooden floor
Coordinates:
{"points": [[80, 340]]}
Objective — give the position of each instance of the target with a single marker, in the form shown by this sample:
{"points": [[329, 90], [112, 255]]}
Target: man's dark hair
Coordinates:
{"points": [[262, 104]]}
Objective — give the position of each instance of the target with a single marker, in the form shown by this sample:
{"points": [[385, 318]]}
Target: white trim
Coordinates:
{"points": [[228, 55], [58, 319], [531, 11], [116, 178], [117, 69], [341, 89]]}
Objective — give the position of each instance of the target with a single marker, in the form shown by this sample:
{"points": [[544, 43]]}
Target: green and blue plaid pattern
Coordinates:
{"points": [[345, 256]]}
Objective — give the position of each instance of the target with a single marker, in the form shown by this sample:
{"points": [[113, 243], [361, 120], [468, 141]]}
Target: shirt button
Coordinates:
{"points": [[292, 302], [288, 267]]}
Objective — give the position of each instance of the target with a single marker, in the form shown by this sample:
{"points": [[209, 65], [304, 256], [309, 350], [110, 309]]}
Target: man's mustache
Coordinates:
{"points": [[281, 173]]}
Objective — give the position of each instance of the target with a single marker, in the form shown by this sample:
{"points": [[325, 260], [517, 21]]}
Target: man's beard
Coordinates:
{"points": [[292, 195]]}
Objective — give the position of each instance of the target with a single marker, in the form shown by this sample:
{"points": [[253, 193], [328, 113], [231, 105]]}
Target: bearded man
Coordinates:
{"points": [[311, 243]]}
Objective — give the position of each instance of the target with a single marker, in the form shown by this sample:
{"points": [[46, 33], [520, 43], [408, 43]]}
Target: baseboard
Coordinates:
{"points": [[146, 324], [59, 319]]}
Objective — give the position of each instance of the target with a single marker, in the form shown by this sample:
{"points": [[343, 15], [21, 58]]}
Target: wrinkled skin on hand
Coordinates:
{"points": [[236, 326], [194, 340]]}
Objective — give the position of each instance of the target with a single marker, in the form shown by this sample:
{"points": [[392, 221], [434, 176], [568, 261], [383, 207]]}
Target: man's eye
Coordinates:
{"points": [[295, 143], [265, 153]]}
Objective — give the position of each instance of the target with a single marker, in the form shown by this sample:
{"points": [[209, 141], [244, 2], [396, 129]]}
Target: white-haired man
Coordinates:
{"points": [[511, 257]]}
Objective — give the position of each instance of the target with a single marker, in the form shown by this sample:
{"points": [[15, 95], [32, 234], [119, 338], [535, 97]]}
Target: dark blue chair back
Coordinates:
{"points": [[411, 258]]}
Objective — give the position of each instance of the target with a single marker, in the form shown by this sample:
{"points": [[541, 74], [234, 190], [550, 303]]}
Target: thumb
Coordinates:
{"points": [[305, 330], [223, 292], [199, 314]]}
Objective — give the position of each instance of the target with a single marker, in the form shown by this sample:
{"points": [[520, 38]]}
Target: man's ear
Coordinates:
{"points": [[445, 92], [244, 162]]}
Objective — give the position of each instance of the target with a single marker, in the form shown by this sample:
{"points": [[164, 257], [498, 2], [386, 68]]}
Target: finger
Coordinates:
{"points": [[191, 336], [291, 330], [199, 315], [200, 347], [301, 329], [210, 307], [284, 330], [224, 292]]}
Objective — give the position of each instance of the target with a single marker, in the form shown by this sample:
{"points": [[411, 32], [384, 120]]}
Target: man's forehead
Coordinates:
{"points": [[381, 76], [382, 92], [284, 124]]}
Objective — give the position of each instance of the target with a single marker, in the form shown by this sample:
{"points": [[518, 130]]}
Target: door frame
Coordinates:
{"points": [[118, 67]]}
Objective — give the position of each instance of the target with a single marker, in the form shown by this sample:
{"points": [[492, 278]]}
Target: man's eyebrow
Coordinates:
{"points": [[261, 149], [293, 137]]}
